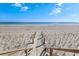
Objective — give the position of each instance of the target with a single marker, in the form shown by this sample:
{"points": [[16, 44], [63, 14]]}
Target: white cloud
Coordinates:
{"points": [[59, 4], [17, 4], [25, 8], [22, 8], [56, 11]]}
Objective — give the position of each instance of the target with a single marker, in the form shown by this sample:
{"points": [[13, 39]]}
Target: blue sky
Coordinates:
{"points": [[39, 12]]}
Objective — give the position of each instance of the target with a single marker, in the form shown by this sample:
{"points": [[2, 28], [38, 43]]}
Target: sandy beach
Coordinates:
{"points": [[17, 37]]}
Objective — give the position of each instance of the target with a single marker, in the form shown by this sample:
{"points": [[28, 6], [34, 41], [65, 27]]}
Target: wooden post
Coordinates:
{"points": [[26, 52], [51, 52]]}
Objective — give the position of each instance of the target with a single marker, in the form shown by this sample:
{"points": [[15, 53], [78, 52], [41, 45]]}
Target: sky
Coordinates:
{"points": [[39, 12]]}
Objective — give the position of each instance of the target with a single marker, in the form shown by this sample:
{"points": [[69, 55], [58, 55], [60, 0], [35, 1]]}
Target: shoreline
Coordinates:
{"points": [[24, 28]]}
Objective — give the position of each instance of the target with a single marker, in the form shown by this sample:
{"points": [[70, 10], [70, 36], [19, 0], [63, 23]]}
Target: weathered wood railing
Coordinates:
{"points": [[63, 49], [16, 50]]}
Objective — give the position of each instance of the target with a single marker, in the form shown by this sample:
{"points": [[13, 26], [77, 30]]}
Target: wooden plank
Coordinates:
{"points": [[67, 50], [15, 50], [51, 50]]}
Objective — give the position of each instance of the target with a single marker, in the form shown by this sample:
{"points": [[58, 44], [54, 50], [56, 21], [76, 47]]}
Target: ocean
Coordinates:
{"points": [[37, 23]]}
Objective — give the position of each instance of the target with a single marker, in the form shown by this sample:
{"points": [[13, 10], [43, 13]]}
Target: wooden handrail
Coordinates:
{"points": [[63, 49], [67, 50], [15, 50]]}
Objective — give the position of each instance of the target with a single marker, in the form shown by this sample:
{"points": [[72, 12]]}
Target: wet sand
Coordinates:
{"points": [[60, 27]]}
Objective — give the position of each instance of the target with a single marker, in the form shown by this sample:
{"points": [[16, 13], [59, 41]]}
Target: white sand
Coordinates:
{"points": [[45, 37]]}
